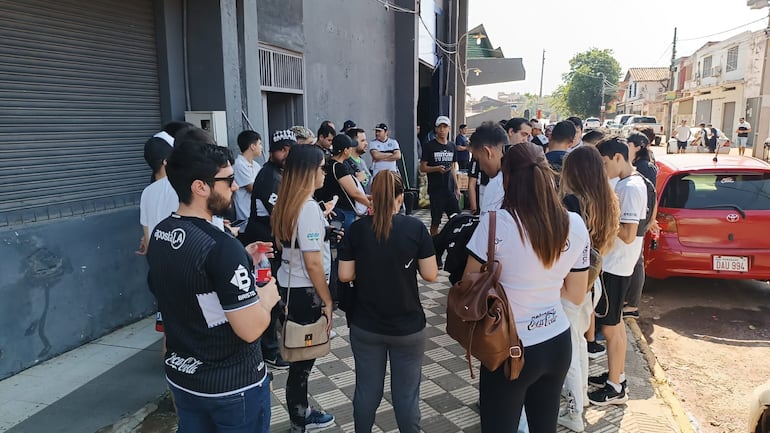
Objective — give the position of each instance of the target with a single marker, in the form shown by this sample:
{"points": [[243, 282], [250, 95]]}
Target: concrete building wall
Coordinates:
{"points": [[349, 64], [67, 282]]}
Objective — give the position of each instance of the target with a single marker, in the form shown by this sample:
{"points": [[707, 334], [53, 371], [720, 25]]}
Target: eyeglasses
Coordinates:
{"points": [[229, 179]]}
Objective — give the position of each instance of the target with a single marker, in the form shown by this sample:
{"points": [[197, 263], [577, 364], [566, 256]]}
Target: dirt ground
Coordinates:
{"points": [[712, 337]]}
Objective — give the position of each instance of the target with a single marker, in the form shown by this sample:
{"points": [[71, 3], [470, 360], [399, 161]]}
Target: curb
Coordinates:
{"points": [[659, 379]]}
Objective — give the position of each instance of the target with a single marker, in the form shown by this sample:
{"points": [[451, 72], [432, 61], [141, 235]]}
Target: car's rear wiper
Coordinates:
{"points": [[719, 206]]}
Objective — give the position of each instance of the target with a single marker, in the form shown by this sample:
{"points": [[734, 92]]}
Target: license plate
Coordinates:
{"points": [[731, 263]]}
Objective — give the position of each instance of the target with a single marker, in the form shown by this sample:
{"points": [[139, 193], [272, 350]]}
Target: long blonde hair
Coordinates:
{"points": [[297, 184], [583, 175], [386, 187]]}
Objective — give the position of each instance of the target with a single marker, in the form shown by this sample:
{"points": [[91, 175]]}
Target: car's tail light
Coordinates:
{"points": [[667, 222]]}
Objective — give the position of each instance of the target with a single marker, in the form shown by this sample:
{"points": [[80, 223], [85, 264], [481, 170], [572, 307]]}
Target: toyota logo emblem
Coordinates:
{"points": [[733, 217]]}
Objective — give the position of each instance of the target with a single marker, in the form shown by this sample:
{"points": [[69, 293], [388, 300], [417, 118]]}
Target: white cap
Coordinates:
{"points": [[537, 125], [443, 120]]}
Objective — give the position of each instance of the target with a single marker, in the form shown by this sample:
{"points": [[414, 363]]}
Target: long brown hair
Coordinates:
{"points": [[298, 183], [532, 200], [386, 187], [582, 174]]}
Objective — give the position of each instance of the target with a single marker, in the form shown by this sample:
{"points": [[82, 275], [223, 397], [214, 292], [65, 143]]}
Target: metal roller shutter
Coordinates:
{"points": [[78, 99]]}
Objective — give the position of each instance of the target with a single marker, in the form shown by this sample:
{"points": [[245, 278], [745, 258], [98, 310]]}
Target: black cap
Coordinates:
{"points": [[382, 126], [155, 152], [282, 139], [342, 142], [348, 125]]}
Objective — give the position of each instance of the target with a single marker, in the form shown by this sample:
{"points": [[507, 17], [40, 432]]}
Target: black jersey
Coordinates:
{"points": [[197, 273]]}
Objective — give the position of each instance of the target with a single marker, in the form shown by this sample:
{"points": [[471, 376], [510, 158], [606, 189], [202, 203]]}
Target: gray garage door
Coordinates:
{"points": [[78, 98]]}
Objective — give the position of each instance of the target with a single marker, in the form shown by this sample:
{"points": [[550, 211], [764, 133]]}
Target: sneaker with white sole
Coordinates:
{"points": [[607, 395], [595, 350], [572, 421], [318, 419], [601, 380]]}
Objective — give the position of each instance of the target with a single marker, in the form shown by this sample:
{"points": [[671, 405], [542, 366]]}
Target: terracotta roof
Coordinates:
{"points": [[647, 74]]}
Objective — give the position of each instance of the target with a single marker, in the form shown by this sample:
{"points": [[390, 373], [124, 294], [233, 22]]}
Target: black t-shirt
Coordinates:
{"points": [[572, 203], [437, 154], [556, 159], [197, 273], [266, 186], [475, 171], [334, 172], [647, 168], [386, 299]]}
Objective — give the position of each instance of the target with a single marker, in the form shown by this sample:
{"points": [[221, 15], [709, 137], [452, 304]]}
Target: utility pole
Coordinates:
{"points": [[540, 97], [602, 107], [760, 128], [670, 103]]}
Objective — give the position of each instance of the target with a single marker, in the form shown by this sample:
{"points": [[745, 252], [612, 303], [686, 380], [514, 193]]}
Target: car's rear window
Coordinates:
{"points": [[708, 191], [644, 120]]}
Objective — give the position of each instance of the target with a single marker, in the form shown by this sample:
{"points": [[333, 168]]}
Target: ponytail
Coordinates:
{"points": [[386, 187]]}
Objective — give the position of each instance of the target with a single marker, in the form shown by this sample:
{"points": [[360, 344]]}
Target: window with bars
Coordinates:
{"points": [[280, 71], [706, 71], [732, 59]]}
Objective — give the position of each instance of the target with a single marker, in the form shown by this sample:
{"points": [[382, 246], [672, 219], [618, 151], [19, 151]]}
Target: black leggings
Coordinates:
{"points": [[537, 389]]}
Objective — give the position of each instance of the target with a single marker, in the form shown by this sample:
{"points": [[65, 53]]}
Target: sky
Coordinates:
{"points": [[639, 32]]}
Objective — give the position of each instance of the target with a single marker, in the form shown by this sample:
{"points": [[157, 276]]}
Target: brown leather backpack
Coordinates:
{"points": [[479, 316]]}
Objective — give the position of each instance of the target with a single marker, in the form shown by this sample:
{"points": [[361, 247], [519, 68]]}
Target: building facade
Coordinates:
{"points": [[82, 89]]}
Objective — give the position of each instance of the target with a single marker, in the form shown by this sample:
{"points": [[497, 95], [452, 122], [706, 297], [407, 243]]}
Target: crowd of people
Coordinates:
{"points": [[339, 236]]}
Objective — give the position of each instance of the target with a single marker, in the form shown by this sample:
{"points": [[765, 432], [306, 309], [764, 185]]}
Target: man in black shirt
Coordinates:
{"points": [[213, 312], [264, 195], [438, 160]]}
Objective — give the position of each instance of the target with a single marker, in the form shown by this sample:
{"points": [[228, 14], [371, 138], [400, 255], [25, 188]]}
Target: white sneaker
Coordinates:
{"points": [[572, 421]]}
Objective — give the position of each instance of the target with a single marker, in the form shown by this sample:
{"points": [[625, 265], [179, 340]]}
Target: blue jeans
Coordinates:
{"points": [[244, 412], [346, 217]]}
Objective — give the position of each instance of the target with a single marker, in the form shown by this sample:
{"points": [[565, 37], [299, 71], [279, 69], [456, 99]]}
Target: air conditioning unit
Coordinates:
{"points": [[213, 122], [716, 71]]}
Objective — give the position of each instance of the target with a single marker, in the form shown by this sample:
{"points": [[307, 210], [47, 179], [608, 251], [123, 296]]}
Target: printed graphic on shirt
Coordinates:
{"points": [[174, 237], [542, 320]]}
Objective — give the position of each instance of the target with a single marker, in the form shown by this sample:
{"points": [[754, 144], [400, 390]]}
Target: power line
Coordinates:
{"points": [[724, 31]]}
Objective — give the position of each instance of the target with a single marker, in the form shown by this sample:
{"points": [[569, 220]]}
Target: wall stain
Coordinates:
{"points": [[43, 269]]}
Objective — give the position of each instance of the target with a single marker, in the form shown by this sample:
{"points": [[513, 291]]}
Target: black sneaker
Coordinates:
{"points": [[277, 363], [601, 380], [595, 350], [607, 395]]}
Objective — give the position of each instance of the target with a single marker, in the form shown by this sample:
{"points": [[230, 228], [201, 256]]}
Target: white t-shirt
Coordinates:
{"points": [[682, 133], [492, 194], [311, 231], [744, 124], [245, 173], [158, 201], [534, 292], [632, 197], [389, 146]]}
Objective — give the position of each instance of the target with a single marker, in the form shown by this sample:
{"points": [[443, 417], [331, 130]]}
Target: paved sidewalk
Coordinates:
{"points": [[448, 394]]}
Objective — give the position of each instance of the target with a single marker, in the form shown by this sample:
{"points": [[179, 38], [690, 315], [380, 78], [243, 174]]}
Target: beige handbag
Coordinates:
{"points": [[302, 342]]}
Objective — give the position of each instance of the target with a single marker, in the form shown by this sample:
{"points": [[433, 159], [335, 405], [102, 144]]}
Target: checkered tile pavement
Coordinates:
{"points": [[448, 395]]}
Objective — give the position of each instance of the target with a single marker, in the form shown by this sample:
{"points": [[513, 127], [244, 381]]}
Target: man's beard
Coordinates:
{"points": [[360, 151], [217, 204]]}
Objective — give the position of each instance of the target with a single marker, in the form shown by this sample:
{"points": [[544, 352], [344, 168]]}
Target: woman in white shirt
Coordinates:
{"points": [[304, 268], [544, 253]]}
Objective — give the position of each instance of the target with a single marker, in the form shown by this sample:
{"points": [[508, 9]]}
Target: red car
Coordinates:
{"points": [[714, 218]]}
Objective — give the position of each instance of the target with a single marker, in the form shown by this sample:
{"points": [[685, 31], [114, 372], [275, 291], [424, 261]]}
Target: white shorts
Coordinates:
{"points": [[742, 141]]}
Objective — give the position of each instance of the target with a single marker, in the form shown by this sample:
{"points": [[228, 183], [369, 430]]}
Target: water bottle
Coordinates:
{"points": [[263, 270]]}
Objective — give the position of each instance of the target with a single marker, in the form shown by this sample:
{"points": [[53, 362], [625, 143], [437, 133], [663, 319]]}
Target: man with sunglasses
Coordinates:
{"points": [[213, 311]]}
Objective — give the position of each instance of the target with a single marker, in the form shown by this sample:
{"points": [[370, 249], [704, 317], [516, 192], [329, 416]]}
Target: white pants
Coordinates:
{"points": [[576, 382]]}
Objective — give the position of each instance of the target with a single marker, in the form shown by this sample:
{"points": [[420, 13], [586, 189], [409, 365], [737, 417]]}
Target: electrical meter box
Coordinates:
{"points": [[214, 122]]}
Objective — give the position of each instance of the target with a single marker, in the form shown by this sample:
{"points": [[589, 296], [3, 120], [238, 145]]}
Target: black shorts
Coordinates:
{"points": [[681, 144], [614, 293], [440, 203]]}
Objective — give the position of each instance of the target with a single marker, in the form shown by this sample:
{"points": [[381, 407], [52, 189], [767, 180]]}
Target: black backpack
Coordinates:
{"points": [[453, 238], [644, 223]]}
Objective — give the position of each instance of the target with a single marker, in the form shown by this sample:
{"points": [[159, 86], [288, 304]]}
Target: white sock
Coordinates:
{"points": [[614, 386], [622, 377]]}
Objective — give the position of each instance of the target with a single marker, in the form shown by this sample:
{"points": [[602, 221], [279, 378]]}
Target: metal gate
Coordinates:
{"points": [[728, 119], [702, 112], [78, 98]]}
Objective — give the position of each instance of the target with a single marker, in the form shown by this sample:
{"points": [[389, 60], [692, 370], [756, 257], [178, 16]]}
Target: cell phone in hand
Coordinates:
{"points": [[238, 223]]}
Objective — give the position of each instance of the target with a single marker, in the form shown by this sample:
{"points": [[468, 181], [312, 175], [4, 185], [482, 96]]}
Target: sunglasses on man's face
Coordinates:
{"points": [[229, 179]]}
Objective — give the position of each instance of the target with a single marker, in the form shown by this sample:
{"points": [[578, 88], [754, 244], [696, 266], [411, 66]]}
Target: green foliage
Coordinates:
{"points": [[581, 92]]}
